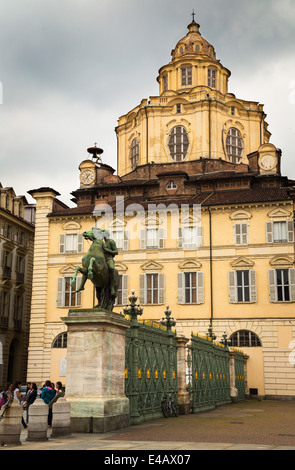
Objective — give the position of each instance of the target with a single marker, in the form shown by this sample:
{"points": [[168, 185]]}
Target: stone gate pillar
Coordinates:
{"points": [[183, 394], [96, 370]]}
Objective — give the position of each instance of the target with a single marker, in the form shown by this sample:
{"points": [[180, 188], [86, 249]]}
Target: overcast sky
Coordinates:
{"points": [[70, 68]]}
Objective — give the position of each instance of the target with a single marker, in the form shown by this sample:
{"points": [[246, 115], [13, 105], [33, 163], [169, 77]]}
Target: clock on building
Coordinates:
{"points": [[267, 162], [87, 177]]}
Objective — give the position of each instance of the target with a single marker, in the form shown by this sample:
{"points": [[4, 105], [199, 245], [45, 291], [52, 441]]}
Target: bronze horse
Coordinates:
{"points": [[98, 266]]}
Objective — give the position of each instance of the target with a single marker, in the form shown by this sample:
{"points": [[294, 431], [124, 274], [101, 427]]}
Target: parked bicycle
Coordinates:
{"points": [[169, 408]]}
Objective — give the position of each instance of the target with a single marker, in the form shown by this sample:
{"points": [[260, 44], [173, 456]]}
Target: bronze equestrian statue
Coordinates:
{"points": [[98, 266]]}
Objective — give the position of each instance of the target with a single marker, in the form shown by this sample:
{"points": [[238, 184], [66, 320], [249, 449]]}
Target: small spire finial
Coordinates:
{"points": [[193, 15]]}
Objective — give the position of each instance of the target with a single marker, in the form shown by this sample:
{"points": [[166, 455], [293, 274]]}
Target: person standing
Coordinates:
{"points": [[47, 394]]}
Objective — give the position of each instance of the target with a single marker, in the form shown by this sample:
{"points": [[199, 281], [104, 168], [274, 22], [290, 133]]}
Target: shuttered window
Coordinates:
{"points": [[212, 78], [281, 285], [242, 286], [190, 287], [280, 232], [152, 238], [122, 298], [186, 76], [71, 243], [152, 288], [178, 143], [66, 294], [241, 234], [121, 237], [234, 145], [190, 238], [134, 153]]}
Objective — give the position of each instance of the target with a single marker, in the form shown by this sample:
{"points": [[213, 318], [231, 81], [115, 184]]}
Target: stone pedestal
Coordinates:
{"points": [[96, 370], [61, 418], [10, 425], [38, 421]]}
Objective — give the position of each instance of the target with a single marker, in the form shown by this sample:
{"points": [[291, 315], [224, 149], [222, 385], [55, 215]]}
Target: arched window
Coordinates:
{"points": [[60, 341], [134, 153], [178, 143], [234, 145], [246, 339]]}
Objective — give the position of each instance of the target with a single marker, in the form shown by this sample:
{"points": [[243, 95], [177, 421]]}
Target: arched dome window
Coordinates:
{"points": [[60, 341], [234, 145], [178, 143], [245, 339], [134, 153]]}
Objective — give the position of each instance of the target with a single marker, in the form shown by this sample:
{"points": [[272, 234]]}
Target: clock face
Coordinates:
{"points": [[87, 177], [267, 162]]}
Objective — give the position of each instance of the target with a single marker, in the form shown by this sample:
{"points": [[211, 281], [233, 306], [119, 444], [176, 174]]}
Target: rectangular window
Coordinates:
{"points": [[212, 78], [190, 287], [241, 234], [122, 298], [165, 82], [152, 238], [190, 238], [152, 288], [280, 232], [242, 286], [186, 76], [71, 243], [281, 285], [67, 296], [121, 238]]}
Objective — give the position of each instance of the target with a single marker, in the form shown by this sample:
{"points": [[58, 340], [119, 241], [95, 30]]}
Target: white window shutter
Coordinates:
{"points": [[269, 232], [180, 288], [237, 235], [126, 240], [161, 279], [200, 287], [179, 238], [232, 287], [78, 294], [290, 231], [244, 234], [161, 234], [80, 243], [142, 288], [124, 289], [272, 285], [253, 289], [62, 243], [292, 284], [60, 292], [199, 229], [143, 239]]}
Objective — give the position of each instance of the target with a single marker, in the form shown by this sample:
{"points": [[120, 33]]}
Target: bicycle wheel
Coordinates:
{"points": [[174, 410], [165, 410]]}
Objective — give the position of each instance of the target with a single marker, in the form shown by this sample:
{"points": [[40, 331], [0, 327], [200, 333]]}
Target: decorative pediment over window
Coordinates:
{"points": [[8, 246], [68, 270], [121, 267], [71, 226], [279, 213], [190, 265], [241, 215], [152, 221], [242, 263], [151, 266], [281, 261]]}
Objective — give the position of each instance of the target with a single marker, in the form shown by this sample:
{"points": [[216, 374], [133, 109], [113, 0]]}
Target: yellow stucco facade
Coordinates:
{"points": [[224, 256]]}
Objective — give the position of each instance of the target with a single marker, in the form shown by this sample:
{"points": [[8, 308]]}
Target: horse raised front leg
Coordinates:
{"points": [[74, 278], [90, 268]]}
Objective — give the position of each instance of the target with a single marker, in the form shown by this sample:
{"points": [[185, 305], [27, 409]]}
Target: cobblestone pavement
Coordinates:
{"points": [[249, 425]]}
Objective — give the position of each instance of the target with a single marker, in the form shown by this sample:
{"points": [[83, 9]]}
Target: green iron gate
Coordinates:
{"points": [[240, 374], [210, 373], [150, 364]]}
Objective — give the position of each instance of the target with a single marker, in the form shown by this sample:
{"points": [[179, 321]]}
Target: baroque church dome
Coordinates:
{"points": [[193, 43]]}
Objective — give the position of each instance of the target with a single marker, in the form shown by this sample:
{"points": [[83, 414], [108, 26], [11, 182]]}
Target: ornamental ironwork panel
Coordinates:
{"points": [[210, 381], [151, 369], [240, 374]]}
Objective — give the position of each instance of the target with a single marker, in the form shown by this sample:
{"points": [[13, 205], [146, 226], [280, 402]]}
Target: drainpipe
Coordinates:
{"points": [[209, 101], [147, 135], [211, 268]]}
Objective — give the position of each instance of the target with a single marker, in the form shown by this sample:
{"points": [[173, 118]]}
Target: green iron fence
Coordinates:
{"points": [[150, 364], [210, 373], [239, 359]]}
